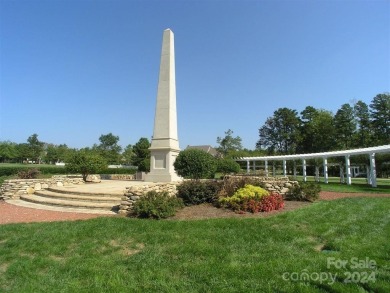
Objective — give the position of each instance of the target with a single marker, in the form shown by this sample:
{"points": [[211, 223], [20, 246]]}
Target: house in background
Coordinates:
{"points": [[207, 148]]}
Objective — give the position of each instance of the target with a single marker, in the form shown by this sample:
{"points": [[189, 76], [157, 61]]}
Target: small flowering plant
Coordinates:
{"points": [[253, 199]]}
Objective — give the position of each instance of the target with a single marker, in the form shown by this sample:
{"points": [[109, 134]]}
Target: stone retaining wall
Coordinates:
{"points": [[280, 185], [13, 188], [133, 193], [117, 176]]}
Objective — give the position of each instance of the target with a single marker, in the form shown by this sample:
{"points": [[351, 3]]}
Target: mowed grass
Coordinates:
{"points": [[359, 185], [220, 255], [356, 187]]}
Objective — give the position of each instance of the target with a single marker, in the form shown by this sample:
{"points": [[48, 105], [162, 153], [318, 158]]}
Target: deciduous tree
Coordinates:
{"points": [[141, 154], [85, 162], [35, 148], [317, 131], [109, 148], [56, 153], [128, 154], [228, 143], [281, 131], [8, 151]]}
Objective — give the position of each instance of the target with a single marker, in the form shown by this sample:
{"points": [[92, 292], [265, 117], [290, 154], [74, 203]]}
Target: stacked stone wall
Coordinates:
{"points": [[117, 177], [280, 185], [133, 193], [14, 188]]}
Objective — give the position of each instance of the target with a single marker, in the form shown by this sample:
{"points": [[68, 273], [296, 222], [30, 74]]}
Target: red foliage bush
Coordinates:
{"points": [[274, 201], [267, 203]]}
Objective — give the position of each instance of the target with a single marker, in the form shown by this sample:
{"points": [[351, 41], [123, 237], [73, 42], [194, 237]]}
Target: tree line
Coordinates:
{"points": [[36, 151], [318, 130], [286, 132]]}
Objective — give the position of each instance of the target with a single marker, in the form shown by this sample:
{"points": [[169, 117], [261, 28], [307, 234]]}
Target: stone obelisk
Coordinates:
{"points": [[165, 143]]}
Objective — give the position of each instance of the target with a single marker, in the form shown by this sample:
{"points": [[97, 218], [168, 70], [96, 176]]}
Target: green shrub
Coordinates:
{"points": [[197, 192], [157, 205], [8, 170], [242, 195], [144, 165], [28, 174], [195, 164], [309, 191], [44, 169], [253, 199], [232, 184], [226, 166]]}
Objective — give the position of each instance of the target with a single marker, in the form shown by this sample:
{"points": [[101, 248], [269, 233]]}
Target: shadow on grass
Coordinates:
{"points": [[355, 188]]}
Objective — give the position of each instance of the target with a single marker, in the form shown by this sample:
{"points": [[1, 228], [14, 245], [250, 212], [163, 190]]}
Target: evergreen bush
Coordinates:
{"points": [[195, 164], [197, 192], [227, 166], [309, 191], [157, 205]]}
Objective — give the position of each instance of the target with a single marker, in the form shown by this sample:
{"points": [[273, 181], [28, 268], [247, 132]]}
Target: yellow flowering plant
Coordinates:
{"points": [[244, 194]]}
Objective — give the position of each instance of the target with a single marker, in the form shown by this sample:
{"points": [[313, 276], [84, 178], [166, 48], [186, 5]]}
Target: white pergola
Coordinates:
{"points": [[370, 152]]}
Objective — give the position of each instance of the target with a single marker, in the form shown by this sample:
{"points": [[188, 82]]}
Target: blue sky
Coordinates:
{"points": [[73, 70]]}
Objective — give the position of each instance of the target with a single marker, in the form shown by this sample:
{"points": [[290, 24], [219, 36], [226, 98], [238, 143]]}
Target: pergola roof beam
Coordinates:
{"points": [[364, 151]]}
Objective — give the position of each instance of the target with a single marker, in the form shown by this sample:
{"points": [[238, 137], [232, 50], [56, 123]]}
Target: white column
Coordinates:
{"points": [[372, 170], [295, 170], [284, 168], [266, 168], [247, 166], [326, 179], [273, 169], [342, 180], [254, 166], [304, 170], [348, 169], [368, 173], [317, 175]]}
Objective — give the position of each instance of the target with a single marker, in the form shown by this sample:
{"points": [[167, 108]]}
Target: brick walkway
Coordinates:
{"points": [[16, 214]]}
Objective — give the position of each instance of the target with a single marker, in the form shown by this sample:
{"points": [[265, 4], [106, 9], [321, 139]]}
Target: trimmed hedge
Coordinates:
{"points": [[14, 170], [55, 170]]}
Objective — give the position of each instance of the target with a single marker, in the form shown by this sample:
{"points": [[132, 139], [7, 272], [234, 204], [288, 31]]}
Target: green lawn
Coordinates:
{"points": [[221, 255], [359, 185], [356, 188]]}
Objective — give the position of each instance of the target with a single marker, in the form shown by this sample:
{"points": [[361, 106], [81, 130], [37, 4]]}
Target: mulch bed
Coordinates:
{"points": [[207, 211], [16, 214]]}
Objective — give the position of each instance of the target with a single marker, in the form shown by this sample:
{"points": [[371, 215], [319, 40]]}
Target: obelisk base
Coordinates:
{"points": [[161, 165]]}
